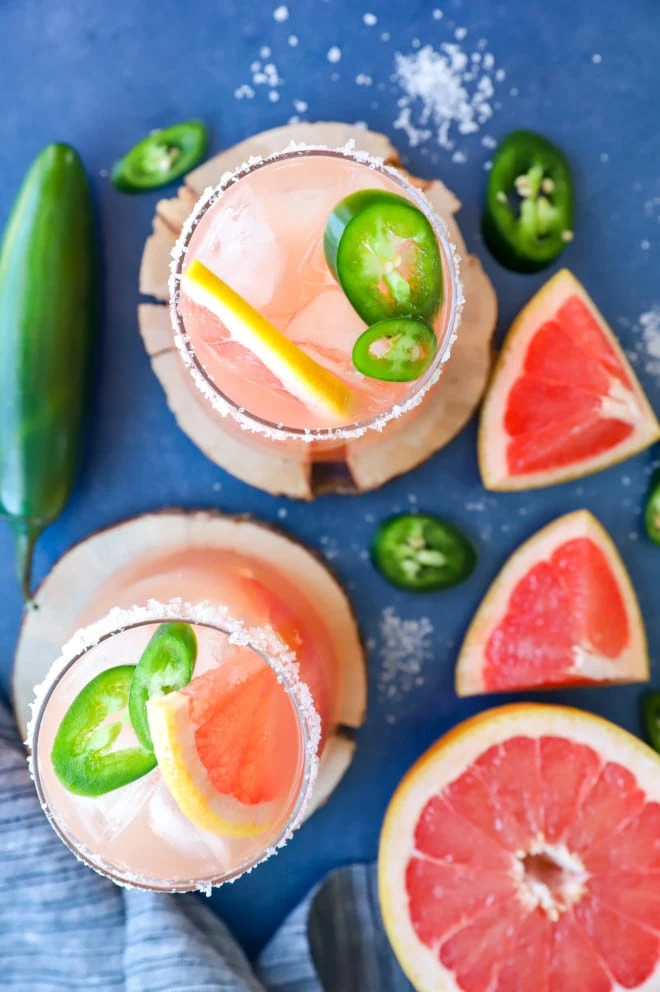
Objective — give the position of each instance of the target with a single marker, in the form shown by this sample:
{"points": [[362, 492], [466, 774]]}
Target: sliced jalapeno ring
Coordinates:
{"points": [[384, 254], [82, 754], [395, 350], [166, 665], [652, 510], [529, 209], [420, 552], [651, 717], [161, 157]]}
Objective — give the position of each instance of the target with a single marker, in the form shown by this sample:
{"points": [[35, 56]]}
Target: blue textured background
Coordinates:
{"points": [[100, 75]]}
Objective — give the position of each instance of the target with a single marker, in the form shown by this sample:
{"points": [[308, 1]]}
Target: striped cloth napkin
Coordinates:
{"points": [[63, 928]]}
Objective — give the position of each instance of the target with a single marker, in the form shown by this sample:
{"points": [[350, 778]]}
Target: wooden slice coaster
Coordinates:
{"points": [[445, 411], [67, 592]]}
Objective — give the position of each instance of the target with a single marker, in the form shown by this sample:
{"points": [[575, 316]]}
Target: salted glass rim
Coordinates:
{"points": [[264, 641], [219, 400]]}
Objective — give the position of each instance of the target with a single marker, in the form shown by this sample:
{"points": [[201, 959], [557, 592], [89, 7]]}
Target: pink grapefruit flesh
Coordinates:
{"points": [[561, 612], [563, 400], [522, 854]]}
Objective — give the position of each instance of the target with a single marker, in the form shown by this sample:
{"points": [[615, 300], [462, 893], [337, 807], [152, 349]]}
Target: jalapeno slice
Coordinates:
{"points": [[420, 552], [529, 209], [161, 157], [652, 510], [396, 350], [651, 718], [82, 757], [384, 254], [166, 665]]}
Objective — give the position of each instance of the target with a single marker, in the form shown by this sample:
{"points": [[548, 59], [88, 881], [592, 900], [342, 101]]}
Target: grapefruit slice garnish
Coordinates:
{"points": [[522, 854], [228, 747], [301, 375], [563, 401], [561, 612]]}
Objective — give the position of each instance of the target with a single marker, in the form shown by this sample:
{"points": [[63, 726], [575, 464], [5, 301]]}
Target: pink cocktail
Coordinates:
{"points": [[273, 632], [247, 736], [262, 232]]}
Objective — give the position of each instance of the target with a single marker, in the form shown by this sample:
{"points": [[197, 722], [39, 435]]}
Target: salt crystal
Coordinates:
{"points": [[604, 157], [437, 14], [293, 40], [416, 43], [273, 96], [370, 20], [596, 58], [488, 142], [363, 80], [645, 245], [265, 52], [500, 75], [460, 33], [281, 14], [282, 512], [300, 106], [385, 36], [334, 54], [244, 92], [459, 157]]}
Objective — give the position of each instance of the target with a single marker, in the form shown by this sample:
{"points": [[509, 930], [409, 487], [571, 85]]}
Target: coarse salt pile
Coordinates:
{"points": [[404, 647], [445, 91], [649, 330]]}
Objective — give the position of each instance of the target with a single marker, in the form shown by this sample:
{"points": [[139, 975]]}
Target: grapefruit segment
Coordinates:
{"points": [[561, 612], [228, 746], [538, 908], [563, 401]]}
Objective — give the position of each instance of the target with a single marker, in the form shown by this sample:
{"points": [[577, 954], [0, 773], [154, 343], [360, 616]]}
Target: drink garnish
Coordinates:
{"points": [[420, 552], [395, 350], [528, 214], [227, 747], [81, 755], [301, 375], [384, 254], [166, 665]]}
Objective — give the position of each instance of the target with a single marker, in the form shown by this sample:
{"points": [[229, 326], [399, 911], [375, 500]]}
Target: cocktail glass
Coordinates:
{"points": [[261, 231], [137, 834]]}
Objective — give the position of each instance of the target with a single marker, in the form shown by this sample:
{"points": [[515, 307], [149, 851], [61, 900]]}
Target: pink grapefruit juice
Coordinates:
{"points": [[263, 234]]}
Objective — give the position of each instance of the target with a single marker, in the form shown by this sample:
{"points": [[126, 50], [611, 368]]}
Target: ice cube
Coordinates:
{"points": [[116, 810], [240, 245], [168, 822]]}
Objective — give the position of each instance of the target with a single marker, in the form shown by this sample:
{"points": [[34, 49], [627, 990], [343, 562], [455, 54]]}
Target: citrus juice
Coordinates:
{"points": [[262, 232], [230, 755]]}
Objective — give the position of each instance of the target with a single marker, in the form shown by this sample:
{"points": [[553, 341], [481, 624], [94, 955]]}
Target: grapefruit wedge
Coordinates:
{"points": [[563, 401], [228, 747], [561, 612], [522, 854]]}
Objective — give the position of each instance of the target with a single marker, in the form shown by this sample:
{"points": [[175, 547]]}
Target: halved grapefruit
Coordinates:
{"points": [[228, 746], [563, 401], [561, 612], [522, 854]]}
